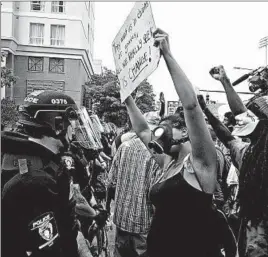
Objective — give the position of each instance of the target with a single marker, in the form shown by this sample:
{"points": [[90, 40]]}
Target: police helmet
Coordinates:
{"points": [[46, 110]]}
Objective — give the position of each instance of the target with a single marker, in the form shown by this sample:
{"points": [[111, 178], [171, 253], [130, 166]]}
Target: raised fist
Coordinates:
{"points": [[218, 73]]}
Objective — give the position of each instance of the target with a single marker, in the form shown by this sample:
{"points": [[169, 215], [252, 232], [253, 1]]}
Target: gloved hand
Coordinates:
{"points": [[101, 217], [91, 154], [63, 178]]}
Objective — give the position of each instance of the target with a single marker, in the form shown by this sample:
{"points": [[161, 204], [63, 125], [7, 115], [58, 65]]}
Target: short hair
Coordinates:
{"points": [[231, 118], [175, 120]]}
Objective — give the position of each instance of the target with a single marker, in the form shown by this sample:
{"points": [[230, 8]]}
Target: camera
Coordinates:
{"points": [[259, 80], [253, 88]]}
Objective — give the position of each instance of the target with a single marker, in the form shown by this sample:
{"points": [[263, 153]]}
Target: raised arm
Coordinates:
{"points": [[203, 149], [162, 105], [236, 105], [222, 132], [138, 122]]}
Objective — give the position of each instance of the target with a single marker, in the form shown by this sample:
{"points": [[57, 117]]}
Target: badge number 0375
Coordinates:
{"points": [[59, 101]]}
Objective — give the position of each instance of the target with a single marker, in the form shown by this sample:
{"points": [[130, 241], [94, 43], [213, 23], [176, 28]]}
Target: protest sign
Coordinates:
{"points": [[134, 54]]}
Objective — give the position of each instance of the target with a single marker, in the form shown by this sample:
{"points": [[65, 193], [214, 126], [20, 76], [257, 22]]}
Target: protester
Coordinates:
{"points": [[184, 223], [231, 207], [120, 139], [132, 173], [106, 145], [251, 161], [229, 120], [223, 167]]}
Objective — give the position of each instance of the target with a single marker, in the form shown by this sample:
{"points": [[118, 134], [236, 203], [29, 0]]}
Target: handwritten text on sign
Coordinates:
{"points": [[134, 54]]}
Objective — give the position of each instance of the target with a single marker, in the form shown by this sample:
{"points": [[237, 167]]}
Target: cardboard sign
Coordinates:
{"points": [[134, 54]]}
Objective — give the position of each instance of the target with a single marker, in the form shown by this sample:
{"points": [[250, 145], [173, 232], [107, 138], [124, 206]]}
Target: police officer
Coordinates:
{"points": [[37, 215]]}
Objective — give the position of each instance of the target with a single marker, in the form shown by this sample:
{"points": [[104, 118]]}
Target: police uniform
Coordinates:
{"points": [[37, 208]]}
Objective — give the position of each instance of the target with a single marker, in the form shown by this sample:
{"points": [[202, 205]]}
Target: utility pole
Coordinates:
{"points": [[240, 68], [222, 91], [263, 43]]}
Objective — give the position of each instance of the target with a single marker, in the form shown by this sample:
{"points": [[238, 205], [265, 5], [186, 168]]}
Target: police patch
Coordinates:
{"points": [[43, 231]]}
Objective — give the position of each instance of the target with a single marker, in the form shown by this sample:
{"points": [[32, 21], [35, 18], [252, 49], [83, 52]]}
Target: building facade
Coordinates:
{"points": [[48, 45]]}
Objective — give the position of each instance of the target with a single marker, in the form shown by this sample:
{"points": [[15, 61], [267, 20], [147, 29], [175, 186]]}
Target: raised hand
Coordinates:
{"points": [[218, 73], [161, 97], [162, 41], [202, 102], [139, 94]]}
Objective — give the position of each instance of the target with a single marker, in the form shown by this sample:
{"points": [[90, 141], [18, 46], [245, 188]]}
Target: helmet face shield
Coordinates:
{"points": [[96, 123], [55, 119], [83, 130], [75, 122]]}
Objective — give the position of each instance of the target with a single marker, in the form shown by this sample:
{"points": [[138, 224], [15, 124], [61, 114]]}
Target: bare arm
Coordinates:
{"points": [[203, 149], [236, 105], [237, 148], [222, 132], [138, 122]]}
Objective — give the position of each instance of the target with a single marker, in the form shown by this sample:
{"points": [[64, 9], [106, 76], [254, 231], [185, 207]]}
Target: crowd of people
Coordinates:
{"points": [[183, 185]]}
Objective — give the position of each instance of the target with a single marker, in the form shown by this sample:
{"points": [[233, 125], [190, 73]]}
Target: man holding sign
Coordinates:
{"points": [[134, 54]]}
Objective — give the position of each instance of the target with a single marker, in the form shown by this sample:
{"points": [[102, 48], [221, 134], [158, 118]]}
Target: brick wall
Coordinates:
{"points": [[74, 77]]}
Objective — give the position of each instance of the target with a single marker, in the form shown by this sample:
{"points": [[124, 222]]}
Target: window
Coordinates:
{"points": [[56, 65], [35, 63], [37, 33], [37, 6], [58, 6], [57, 35]]}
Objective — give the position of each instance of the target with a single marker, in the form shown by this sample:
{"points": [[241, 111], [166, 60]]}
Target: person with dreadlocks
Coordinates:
{"points": [[251, 159]]}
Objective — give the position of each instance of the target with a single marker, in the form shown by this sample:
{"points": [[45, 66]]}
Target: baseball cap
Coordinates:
{"points": [[246, 124], [152, 119]]}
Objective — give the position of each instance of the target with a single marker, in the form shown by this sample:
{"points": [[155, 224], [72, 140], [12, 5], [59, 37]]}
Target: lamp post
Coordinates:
{"points": [[263, 43]]}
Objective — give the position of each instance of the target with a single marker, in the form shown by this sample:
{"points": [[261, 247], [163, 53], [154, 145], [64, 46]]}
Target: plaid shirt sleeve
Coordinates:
{"points": [[156, 172], [112, 176]]}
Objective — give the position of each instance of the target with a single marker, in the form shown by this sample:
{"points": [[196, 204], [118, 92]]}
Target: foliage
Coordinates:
{"points": [[104, 93], [7, 78], [9, 113]]}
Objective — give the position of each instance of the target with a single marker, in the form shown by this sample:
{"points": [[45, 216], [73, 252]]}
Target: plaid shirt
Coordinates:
{"points": [[133, 172]]}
